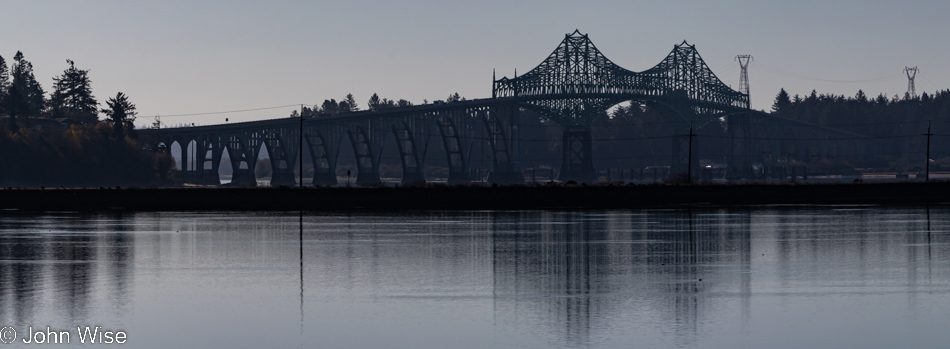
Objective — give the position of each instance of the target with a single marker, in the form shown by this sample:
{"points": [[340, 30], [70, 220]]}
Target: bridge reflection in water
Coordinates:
{"points": [[776, 277], [659, 265]]}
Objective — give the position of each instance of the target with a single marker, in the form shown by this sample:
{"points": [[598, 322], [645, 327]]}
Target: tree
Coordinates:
{"points": [[121, 114], [31, 101], [343, 107], [72, 97], [861, 97], [782, 102], [351, 102], [4, 81], [14, 105], [329, 106], [373, 102]]}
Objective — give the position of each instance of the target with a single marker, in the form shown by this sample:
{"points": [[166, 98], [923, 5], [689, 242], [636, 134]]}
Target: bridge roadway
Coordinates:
{"points": [[457, 124]]}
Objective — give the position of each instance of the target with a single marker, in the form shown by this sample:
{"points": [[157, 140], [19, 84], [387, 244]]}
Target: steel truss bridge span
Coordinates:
{"points": [[576, 84]]}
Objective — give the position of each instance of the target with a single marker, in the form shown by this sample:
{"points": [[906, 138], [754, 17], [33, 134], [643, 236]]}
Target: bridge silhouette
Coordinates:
{"points": [[572, 87]]}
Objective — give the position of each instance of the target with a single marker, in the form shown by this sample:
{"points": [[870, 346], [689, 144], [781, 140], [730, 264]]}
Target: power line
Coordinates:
{"points": [[229, 111], [778, 71]]}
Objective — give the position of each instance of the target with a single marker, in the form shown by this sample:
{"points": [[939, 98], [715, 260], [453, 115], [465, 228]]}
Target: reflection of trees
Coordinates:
{"points": [[19, 276], [73, 271], [853, 246], [576, 269], [61, 253]]}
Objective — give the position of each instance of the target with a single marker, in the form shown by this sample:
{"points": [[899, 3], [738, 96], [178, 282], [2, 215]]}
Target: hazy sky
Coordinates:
{"points": [[180, 57]]}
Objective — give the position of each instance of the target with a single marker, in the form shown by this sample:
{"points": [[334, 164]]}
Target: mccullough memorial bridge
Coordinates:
{"points": [[571, 88]]}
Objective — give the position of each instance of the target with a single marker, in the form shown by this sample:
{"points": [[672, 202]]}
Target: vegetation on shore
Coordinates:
{"points": [[60, 140]]}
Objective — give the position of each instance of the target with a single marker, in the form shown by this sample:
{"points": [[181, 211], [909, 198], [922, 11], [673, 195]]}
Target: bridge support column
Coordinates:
{"points": [[237, 152], [458, 167], [324, 164], [411, 166], [186, 175], [740, 147], [367, 172], [577, 163], [244, 178], [211, 159], [283, 177], [504, 170]]}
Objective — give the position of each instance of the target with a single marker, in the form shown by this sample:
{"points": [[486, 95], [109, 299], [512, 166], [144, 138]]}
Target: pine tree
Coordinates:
{"points": [[351, 102], [782, 102], [454, 98], [13, 105], [31, 101], [373, 102], [4, 81], [121, 114], [72, 97]]}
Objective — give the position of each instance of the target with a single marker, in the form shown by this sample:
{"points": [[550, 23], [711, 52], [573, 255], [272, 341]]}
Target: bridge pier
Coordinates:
{"points": [[206, 155], [740, 146], [324, 178], [411, 166], [367, 171], [244, 178], [283, 177], [458, 169], [324, 165], [577, 163], [504, 170]]}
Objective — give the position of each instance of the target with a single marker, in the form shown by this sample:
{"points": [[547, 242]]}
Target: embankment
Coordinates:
{"points": [[471, 197]]}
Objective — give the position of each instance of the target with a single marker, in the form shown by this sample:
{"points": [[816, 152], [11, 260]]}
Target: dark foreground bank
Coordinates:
{"points": [[471, 197]]}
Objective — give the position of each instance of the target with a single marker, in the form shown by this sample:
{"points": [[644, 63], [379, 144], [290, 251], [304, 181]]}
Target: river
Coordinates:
{"points": [[763, 277]]}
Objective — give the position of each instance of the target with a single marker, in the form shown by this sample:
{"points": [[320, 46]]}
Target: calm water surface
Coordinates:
{"points": [[815, 277]]}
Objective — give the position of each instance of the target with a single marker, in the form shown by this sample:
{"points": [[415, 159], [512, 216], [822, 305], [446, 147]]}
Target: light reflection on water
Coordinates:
{"points": [[826, 277]]}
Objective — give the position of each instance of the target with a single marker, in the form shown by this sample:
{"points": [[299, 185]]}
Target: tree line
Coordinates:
{"points": [[348, 104], [58, 139], [898, 123]]}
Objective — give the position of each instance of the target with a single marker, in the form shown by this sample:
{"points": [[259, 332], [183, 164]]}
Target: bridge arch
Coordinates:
{"points": [[281, 161], [241, 159], [412, 172], [366, 163], [322, 157], [454, 150]]}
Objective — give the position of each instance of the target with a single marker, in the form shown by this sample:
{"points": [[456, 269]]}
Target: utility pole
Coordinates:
{"points": [[911, 75], [927, 167], [744, 74], [689, 157], [300, 151]]}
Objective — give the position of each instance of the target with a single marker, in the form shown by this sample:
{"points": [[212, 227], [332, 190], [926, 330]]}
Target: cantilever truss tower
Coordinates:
{"points": [[577, 83]]}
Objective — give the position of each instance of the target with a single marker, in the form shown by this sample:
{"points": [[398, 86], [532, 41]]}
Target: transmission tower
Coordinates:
{"points": [[744, 74], [911, 74]]}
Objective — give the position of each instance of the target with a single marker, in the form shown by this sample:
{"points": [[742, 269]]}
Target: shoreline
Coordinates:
{"points": [[472, 197]]}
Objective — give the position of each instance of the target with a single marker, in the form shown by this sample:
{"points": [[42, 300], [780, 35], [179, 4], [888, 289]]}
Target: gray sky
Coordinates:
{"points": [[180, 57]]}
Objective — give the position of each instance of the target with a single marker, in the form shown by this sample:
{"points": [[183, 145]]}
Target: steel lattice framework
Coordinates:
{"points": [[576, 83]]}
